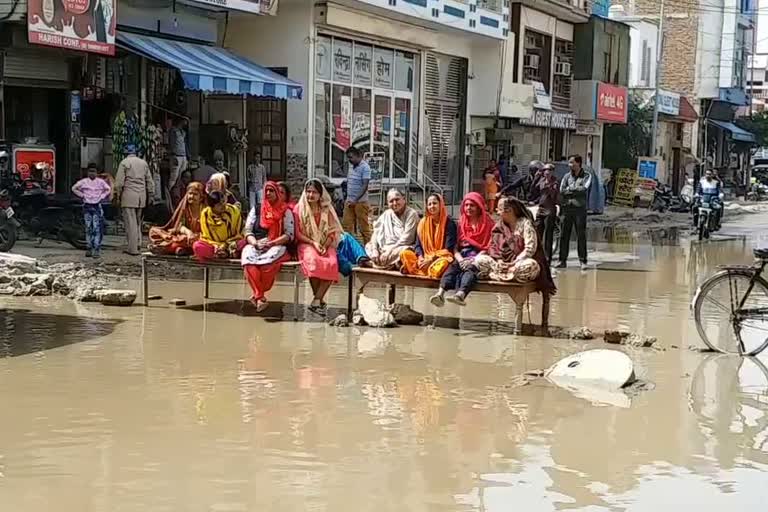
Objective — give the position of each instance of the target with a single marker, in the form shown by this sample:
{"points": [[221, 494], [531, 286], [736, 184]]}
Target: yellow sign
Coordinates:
{"points": [[624, 191]]}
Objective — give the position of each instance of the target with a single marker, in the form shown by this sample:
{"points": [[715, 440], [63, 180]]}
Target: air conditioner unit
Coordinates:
{"points": [[478, 137], [531, 61], [563, 68]]}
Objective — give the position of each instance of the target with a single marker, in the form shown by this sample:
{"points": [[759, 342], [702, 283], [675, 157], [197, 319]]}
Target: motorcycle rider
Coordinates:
{"points": [[709, 189]]}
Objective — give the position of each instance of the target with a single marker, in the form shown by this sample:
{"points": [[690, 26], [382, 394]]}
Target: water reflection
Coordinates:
{"points": [[208, 409]]}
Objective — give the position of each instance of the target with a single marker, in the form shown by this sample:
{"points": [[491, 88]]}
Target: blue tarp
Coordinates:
{"points": [[212, 69]]}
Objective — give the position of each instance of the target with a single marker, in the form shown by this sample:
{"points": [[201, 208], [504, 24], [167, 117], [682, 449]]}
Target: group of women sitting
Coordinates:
{"points": [[208, 223]]}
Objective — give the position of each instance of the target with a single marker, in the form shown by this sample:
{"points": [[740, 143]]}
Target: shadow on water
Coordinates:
{"points": [[281, 311], [26, 332]]}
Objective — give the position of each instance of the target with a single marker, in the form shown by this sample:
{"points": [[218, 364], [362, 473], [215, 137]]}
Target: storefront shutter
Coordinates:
{"points": [[445, 103], [35, 65]]}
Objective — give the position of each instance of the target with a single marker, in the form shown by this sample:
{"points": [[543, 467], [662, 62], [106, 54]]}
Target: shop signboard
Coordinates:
{"points": [[342, 60], [648, 167], [551, 119], [82, 25], [587, 128], [541, 98], [624, 190], [669, 103], [252, 6], [611, 103]]}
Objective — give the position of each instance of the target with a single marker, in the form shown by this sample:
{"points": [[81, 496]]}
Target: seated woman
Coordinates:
{"points": [[285, 193], [220, 230], [435, 242], [515, 254], [178, 190], [183, 229], [475, 226], [318, 234], [393, 232], [219, 183], [267, 235]]}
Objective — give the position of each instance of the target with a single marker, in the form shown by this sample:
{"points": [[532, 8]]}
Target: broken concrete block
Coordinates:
{"points": [[374, 312], [405, 315], [116, 297]]}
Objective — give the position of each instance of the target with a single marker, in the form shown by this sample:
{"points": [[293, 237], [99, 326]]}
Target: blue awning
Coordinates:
{"points": [[212, 69], [737, 133]]}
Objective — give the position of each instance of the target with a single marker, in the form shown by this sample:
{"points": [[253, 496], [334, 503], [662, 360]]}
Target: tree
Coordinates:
{"points": [[758, 126], [624, 143]]}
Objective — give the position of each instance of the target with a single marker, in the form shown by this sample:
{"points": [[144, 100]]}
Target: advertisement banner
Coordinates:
{"points": [[82, 25], [26, 158], [669, 103], [611, 103], [253, 6]]}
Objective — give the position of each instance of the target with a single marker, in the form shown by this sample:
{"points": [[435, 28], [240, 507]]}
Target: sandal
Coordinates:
{"points": [[319, 309]]}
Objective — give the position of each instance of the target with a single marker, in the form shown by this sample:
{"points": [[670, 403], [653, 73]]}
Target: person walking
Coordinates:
{"points": [[93, 190], [573, 190], [135, 189], [357, 208], [177, 149]]}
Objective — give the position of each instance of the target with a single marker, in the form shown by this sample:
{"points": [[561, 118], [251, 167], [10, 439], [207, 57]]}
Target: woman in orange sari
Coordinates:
{"points": [[183, 230], [435, 242]]}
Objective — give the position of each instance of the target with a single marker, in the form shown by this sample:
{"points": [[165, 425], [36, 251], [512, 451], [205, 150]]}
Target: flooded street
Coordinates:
{"points": [[215, 409]]}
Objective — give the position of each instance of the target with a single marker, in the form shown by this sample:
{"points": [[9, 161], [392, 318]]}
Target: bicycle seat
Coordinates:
{"points": [[761, 253]]}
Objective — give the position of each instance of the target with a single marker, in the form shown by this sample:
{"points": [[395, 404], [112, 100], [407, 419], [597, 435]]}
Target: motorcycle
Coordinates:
{"points": [[26, 204], [709, 210], [662, 198]]}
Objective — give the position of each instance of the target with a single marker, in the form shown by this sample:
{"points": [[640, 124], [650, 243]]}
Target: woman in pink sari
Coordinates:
{"points": [[318, 234]]}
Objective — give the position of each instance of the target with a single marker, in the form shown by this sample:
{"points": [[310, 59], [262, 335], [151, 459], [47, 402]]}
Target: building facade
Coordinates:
{"points": [[705, 51], [390, 78]]}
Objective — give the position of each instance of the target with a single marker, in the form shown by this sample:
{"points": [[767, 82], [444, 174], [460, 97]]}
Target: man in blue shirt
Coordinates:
{"points": [[357, 208]]}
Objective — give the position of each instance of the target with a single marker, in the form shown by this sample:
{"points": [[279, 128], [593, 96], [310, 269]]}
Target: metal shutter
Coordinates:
{"points": [[445, 103], [35, 65]]}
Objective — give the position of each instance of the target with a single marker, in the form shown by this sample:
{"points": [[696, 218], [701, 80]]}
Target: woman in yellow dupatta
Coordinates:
{"points": [[221, 227], [435, 242]]}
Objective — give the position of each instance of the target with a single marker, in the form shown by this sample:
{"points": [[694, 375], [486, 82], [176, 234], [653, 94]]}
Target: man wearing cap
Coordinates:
{"points": [[135, 189]]}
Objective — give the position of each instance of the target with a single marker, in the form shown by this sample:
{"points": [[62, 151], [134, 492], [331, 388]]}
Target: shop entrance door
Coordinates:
{"points": [[390, 136]]}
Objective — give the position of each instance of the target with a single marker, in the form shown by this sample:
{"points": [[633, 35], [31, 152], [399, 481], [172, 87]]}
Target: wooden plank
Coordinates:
{"points": [[369, 275]]}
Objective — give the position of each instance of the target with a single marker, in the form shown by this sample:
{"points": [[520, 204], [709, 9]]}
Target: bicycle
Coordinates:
{"points": [[731, 308]]}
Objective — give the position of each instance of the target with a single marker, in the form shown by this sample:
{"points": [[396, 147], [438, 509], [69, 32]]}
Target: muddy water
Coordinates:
{"points": [[214, 409]]}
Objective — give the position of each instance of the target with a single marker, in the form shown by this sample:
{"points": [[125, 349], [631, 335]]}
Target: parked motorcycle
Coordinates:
{"points": [[662, 198], [26, 205]]}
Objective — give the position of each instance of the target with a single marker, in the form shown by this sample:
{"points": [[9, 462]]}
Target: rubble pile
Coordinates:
{"points": [[26, 277]]}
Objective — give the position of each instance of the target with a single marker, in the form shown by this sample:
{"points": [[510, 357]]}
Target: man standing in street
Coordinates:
{"points": [[545, 194], [135, 189], [573, 190], [357, 208], [177, 149], [257, 178]]}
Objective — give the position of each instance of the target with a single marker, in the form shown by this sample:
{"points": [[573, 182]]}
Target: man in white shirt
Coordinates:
{"points": [[257, 178]]}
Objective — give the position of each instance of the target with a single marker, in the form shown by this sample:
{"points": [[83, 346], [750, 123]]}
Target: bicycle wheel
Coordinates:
{"points": [[714, 311]]}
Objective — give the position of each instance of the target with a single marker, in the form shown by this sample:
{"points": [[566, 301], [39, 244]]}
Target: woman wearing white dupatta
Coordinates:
{"points": [[318, 235], [393, 232]]}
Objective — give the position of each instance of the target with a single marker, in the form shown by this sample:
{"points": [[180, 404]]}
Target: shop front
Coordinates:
{"points": [[597, 104], [365, 97], [546, 136]]}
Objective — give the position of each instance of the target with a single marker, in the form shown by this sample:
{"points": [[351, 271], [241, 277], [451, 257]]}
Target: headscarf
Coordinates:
{"points": [[184, 216], [478, 236], [217, 183], [271, 216], [329, 222], [431, 233]]}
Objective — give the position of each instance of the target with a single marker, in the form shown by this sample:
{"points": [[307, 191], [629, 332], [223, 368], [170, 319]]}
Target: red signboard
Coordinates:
{"points": [[84, 25], [611, 103]]}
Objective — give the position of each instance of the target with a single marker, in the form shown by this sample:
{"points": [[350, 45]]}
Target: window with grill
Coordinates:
{"points": [[562, 81], [535, 57]]}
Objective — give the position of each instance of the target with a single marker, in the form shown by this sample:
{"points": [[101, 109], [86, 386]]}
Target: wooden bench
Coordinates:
{"points": [[517, 292], [290, 267]]}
